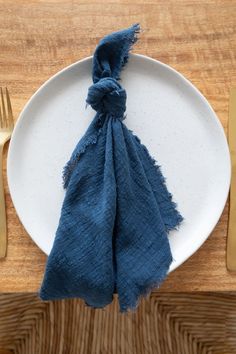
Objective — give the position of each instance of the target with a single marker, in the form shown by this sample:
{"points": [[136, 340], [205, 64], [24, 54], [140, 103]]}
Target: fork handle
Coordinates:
{"points": [[3, 224]]}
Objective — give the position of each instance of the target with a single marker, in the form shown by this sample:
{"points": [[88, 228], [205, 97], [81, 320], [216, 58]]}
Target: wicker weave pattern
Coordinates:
{"points": [[163, 324]]}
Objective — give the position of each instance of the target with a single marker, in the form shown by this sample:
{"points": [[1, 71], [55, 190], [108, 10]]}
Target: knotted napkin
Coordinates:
{"points": [[113, 229]]}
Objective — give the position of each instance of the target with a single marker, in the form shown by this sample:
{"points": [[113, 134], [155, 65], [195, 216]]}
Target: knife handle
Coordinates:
{"points": [[231, 240]]}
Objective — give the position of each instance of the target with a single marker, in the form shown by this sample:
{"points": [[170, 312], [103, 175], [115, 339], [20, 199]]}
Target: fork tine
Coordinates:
{"points": [[9, 109], [4, 118]]}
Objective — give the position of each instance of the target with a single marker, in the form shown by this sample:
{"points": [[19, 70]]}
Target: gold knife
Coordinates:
{"points": [[231, 242]]}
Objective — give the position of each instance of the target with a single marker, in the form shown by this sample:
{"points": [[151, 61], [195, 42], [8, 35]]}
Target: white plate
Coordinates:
{"points": [[165, 110]]}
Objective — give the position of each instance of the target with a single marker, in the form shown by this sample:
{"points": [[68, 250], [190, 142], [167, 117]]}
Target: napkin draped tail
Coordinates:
{"points": [[113, 229]]}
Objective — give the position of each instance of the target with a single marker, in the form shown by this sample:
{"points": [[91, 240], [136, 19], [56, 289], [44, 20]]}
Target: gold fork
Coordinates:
{"points": [[6, 128]]}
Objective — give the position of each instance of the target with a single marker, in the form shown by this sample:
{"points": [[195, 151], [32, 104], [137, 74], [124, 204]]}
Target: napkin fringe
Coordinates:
{"points": [[172, 205], [132, 38], [145, 293], [71, 164]]}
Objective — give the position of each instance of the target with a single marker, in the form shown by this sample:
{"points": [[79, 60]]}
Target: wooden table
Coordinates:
{"points": [[38, 38]]}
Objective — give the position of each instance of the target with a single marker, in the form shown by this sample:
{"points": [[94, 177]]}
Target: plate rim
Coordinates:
{"points": [[175, 264]]}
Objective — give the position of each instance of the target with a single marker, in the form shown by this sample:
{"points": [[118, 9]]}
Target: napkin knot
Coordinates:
{"points": [[107, 96]]}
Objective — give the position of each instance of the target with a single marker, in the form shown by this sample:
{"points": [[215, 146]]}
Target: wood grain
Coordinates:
{"points": [[173, 323], [38, 38]]}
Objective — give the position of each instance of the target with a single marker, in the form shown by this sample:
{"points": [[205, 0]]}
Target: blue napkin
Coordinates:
{"points": [[113, 230]]}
